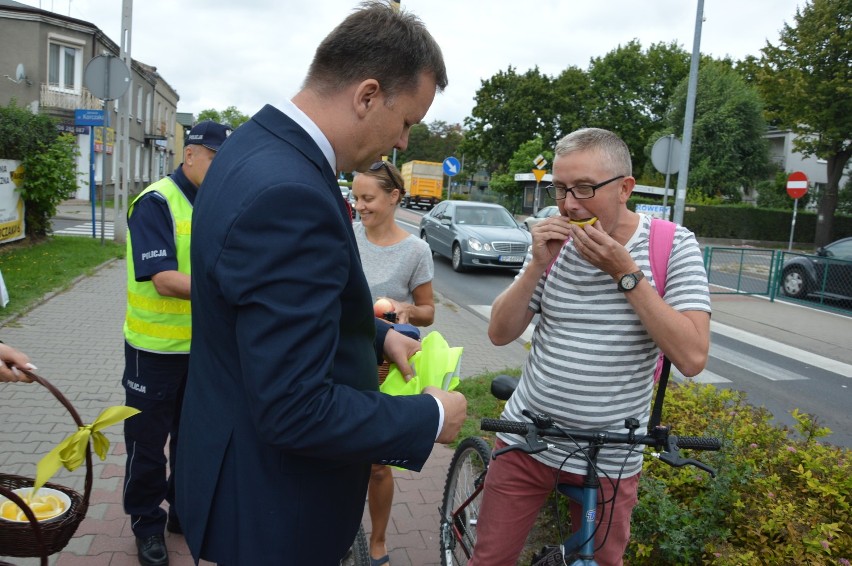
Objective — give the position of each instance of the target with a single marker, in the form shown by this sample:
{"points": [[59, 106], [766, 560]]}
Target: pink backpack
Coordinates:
{"points": [[660, 243]]}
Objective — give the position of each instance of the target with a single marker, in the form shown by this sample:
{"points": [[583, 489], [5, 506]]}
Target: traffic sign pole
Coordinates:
{"points": [[797, 187]]}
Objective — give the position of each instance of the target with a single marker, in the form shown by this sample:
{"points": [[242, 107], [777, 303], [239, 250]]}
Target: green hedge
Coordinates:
{"points": [[745, 222]]}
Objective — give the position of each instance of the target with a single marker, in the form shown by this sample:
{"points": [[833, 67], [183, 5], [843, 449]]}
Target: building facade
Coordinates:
{"points": [[43, 57]]}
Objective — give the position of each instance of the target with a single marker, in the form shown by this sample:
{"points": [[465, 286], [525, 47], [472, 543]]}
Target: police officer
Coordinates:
{"points": [[157, 332]]}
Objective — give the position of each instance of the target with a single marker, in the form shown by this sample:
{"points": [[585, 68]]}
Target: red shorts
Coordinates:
{"points": [[516, 487]]}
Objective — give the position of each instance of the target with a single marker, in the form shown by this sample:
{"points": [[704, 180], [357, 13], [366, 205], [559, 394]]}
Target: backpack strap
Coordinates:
{"points": [[660, 242]]}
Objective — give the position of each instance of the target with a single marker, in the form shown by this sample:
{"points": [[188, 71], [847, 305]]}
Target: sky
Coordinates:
{"points": [[220, 53]]}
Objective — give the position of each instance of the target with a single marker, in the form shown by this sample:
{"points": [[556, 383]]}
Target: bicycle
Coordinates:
{"points": [[467, 474], [359, 553]]}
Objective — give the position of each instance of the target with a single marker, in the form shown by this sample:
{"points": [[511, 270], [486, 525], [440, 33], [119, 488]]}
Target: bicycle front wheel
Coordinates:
{"points": [[462, 498]]}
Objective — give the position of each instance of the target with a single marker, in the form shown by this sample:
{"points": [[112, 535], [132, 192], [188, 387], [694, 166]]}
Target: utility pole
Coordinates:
{"points": [[689, 117], [123, 129]]}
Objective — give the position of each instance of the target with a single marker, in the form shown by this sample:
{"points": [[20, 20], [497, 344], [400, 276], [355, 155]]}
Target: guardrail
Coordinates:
{"points": [[794, 276]]}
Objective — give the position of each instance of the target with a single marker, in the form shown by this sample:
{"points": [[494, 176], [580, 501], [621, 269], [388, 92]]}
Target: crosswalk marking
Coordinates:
{"points": [[766, 370], [85, 229]]}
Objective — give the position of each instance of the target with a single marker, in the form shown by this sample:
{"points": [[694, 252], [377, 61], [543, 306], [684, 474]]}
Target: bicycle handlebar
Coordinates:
{"points": [[541, 426]]}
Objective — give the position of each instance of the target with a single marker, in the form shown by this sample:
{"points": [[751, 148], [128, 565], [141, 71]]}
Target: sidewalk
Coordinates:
{"points": [[75, 340]]}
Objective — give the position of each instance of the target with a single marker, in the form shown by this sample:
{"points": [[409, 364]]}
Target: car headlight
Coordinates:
{"points": [[474, 244]]}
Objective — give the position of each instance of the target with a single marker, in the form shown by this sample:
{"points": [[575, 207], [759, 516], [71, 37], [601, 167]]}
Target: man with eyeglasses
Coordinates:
{"points": [[594, 350], [282, 416]]}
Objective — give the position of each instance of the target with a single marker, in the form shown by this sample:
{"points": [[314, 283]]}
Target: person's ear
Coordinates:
{"points": [[366, 96], [626, 188]]}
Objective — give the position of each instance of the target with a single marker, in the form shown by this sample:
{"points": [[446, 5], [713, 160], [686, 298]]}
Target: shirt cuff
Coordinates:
{"points": [[440, 417]]}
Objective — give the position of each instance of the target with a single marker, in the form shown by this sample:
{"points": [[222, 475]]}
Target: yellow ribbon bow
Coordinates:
{"points": [[71, 452]]}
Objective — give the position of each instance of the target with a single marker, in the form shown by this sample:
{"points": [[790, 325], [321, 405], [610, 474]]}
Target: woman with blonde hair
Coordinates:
{"points": [[399, 267]]}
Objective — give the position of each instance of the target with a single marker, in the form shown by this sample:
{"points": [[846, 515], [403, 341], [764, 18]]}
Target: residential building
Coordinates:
{"points": [[43, 57]]}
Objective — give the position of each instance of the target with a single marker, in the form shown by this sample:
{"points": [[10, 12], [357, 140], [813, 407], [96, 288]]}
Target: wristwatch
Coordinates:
{"points": [[628, 282]]}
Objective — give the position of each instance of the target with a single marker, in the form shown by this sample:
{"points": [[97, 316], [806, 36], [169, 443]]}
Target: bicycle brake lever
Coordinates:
{"points": [[674, 460], [534, 445]]}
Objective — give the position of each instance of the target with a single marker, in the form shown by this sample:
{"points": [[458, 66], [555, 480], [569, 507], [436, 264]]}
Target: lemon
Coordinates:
{"points": [[587, 221], [43, 507]]}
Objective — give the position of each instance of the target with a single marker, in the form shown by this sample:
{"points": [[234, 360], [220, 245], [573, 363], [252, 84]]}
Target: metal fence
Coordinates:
{"points": [[794, 276]]}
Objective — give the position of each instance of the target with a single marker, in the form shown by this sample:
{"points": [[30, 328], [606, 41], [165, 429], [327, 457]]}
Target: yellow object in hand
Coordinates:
{"points": [[587, 221]]}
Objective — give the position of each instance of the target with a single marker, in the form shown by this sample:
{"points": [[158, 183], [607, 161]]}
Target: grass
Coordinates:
{"points": [[31, 270]]}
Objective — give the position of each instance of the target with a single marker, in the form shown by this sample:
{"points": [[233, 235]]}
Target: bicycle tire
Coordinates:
{"points": [[359, 554], [467, 468]]}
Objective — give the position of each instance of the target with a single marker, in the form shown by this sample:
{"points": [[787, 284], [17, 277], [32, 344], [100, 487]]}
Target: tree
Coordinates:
{"points": [[510, 108], [806, 79], [521, 162], [432, 142], [631, 90], [728, 150], [230, 116], [48, 159]]}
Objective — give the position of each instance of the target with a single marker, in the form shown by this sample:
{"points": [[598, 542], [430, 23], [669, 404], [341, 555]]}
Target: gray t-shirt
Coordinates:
{"points": [[394, 271]]}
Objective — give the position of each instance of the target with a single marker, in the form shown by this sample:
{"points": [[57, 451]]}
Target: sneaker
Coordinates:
{"points": [[152, 550]]}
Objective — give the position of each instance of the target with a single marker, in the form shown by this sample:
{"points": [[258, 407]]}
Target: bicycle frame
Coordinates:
{"points": [[459, 517]]}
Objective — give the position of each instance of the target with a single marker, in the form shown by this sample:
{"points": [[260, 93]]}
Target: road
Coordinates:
{"points": [[771, 374]]}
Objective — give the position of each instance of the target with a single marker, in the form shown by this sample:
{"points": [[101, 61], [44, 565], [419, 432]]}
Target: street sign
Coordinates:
{"points": [[106, 77], [540, 161], [665, 155], [451, 166], [88, 117], [539, 174], [797, 185]]}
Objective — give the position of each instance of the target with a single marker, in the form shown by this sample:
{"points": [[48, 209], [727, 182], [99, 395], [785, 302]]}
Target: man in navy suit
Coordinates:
{"points": [[282, 418]]}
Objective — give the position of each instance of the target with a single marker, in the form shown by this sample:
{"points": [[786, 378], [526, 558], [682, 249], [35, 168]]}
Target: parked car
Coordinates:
{"points": [[475, 234], [826, 274], [545, 212]]}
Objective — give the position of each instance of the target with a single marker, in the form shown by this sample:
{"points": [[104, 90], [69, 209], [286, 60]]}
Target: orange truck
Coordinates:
{"points": [[423, 183]]}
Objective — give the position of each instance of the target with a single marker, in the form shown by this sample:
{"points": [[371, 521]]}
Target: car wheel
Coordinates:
{"points": [[458, 259], [794, 283]]}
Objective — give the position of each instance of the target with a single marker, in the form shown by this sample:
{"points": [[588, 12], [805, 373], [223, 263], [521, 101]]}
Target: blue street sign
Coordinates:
{"points": [[451, 166], [86, 117]]}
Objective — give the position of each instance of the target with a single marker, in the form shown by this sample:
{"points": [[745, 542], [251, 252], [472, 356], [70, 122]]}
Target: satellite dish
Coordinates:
{"points": [[20, 76]]}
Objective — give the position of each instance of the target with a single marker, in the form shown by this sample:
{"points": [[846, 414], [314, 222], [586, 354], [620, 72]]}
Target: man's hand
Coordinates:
{"points": [[601, 250], [549, 236], [455, 411], [398, 348]]}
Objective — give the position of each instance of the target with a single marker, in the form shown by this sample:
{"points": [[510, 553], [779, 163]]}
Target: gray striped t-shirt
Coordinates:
{"points": [[591, 362]]}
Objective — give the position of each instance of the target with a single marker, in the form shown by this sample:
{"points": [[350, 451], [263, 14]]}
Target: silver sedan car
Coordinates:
{"points": [[475, 234]]}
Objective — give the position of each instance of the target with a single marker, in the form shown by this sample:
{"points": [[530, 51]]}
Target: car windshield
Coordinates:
{"points": [[484, 216]]}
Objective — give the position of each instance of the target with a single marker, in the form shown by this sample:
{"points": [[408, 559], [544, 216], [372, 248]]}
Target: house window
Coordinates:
{"points": [[139, 108], [65, 67]]}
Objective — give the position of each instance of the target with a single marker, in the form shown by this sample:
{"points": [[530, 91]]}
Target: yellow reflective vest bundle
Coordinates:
{"points": [[155, 323]]}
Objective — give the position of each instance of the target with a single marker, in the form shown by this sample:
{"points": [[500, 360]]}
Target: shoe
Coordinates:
{"points": [[173, 526], [152, 550], [379, 561]]}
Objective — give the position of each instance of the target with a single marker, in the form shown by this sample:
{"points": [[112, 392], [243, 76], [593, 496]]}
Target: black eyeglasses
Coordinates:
{"points": [[384, 164], [578, 191]]}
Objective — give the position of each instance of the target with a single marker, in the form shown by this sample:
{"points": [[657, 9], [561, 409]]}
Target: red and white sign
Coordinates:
{"points": [[797, 184]]}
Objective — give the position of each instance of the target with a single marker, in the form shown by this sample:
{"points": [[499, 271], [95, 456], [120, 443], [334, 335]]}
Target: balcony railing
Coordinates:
{"points": [[52, 98]]}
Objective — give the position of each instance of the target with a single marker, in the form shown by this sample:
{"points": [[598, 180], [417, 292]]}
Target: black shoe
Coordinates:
{"points": [[173, 526], [152, 550]]}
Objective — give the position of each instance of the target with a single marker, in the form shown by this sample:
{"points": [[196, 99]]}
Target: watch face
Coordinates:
{"points": [[628, 281]]}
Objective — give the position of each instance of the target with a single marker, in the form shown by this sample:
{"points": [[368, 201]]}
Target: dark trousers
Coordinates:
{"points": [[154, 384]]}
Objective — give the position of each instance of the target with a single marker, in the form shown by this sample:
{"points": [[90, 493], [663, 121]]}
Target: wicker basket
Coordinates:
{"points": [[35, 539], [384, 368]]}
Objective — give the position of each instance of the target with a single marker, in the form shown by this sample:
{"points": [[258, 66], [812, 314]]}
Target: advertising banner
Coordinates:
{"points": [[11, 203]]}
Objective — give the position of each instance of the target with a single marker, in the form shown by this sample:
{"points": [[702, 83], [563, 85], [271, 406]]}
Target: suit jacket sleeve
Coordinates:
{"points": [[304, 326]]}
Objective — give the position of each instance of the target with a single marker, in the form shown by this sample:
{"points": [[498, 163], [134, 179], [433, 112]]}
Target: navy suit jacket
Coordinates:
{"points": [[282, 417]]}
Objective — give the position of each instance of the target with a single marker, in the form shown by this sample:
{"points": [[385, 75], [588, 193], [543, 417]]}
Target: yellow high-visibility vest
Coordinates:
{"points": [[153, 322]]}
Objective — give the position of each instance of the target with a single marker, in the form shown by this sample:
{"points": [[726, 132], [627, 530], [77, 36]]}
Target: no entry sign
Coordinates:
{"points": [[797, 184]]}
